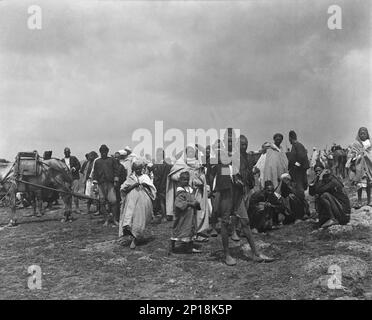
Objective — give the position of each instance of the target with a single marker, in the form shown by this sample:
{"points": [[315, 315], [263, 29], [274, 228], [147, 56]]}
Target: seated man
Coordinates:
{"points": [[295, 206], [331, 200], [264, 205]]}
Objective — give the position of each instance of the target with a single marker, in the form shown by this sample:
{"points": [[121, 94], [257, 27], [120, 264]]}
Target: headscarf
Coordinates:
{"points": [[361, 129], [138, 164], [93, 154], [278, 135], [285, 176], [191, 161], [292, 135], [265, 146], [319, 165], [268, 183], [103, 148]]}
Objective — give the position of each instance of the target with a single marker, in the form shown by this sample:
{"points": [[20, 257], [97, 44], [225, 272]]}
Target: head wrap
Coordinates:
{"points": [[103, 148], [242, 137], [285, 176], [93, 154], [138, 164], [218, 145], [319, 165], [47, 155], [360, 131], [278, 135], [268, 183], [265, 146], [185, 173], [292, 135]]}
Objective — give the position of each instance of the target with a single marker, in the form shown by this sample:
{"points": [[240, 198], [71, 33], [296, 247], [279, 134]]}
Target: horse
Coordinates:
{"points": [[52, 173]]}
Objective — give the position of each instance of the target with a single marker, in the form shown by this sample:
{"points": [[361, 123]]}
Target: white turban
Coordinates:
{"points": [[285, 176]]}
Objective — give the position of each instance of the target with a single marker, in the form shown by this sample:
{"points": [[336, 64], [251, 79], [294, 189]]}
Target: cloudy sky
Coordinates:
{"points": [[99, 70]]}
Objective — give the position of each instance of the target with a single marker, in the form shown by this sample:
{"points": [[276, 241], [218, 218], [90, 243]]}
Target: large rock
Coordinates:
{"points": [[355, 246], [350, 266]]}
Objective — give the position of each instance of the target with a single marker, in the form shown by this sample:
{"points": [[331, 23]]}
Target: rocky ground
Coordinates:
{"points": [[83, 260]]}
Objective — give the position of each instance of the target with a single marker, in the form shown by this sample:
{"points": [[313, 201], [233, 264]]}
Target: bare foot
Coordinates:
{"points": [[358, 205], [230, 261], [235, 237], [12, 223], [214, 233], [133, 244], [262, 258], [329, 223]]}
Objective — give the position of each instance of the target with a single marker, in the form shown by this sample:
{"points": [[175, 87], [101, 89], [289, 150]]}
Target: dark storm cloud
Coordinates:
{"points": [[99, 70]]}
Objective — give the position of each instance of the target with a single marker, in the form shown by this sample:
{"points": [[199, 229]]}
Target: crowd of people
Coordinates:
{"points": [[215, 190]]}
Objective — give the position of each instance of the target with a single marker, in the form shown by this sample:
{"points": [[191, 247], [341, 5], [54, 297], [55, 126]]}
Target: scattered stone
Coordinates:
{"points": [[368, 295], [340, 230], [50, 246], [101, 246], [145, 258], [260, 245], [351, 267], [118, 261], [346, 298], [322, 281], [355, 246], [160, 253]]}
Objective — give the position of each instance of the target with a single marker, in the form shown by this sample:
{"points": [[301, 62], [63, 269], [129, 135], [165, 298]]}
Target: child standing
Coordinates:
{"points": [[185, 204]]}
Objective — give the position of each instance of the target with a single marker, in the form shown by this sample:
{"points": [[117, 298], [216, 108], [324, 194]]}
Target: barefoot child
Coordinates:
{"points": [[184, 228]]}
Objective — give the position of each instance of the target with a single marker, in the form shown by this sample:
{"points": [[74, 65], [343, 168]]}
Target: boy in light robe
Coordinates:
{"points": [[186, 206]]}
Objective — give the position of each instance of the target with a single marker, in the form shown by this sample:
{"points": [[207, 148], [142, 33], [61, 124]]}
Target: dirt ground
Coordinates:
{"points": [[83, 260]]}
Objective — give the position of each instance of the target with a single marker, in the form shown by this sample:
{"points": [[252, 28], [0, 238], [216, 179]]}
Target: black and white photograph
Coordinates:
{"points": [[204, 152]]}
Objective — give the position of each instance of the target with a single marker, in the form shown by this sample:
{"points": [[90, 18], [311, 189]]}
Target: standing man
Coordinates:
{"points": [[228, 202], [73, 165], [122, 178], [243, 193], [105, 174], [160, 170], [298, 163]]}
